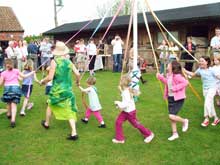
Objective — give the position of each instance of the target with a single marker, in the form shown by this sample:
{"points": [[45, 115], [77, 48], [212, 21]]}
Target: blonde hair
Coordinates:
{"points": [[28, 65], [125, 81], [91, 80], [217, 57]]}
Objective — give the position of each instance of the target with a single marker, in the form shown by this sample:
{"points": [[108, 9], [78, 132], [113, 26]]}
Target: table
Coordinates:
{"points": [[98, 63]]}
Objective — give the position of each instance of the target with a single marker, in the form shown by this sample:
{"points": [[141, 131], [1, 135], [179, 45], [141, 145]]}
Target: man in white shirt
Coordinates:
{"points": [[117, 53], [215, 42], [46, 53], [11, 53]]}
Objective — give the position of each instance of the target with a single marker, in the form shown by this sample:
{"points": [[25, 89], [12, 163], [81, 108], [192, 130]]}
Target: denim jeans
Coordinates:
{"points": [[117, 62]]}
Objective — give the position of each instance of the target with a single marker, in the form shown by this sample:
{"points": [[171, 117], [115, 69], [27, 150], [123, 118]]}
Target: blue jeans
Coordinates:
{"points": [[162, 67], [117, 62]]}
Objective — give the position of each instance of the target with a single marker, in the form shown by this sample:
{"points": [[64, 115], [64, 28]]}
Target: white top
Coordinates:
{"points": [[25, 51], [216, 70], [163, 49], [91, 49], [10, 52], [215, 42], [117, 46], [172, 51], [45, 49], [127, 104], [94, 103], [169, 85]]}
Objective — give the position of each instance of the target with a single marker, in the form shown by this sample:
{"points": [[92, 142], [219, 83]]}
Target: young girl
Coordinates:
{"points": [[163, 48], [94, 104], [175, 85], [173, 49], [216, 69], [27, 86], [12, 91], [209, 89], [127, 106]]}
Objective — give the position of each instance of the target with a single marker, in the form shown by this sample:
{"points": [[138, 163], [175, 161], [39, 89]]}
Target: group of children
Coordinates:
{"points": [[175, 85]]}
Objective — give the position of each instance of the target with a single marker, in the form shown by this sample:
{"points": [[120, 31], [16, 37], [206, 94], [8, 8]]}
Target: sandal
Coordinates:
{"points": [[74, 138], [43, 124]]}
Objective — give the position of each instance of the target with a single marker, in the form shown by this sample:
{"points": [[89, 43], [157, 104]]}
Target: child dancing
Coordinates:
{"points": [[27, 86], [128, 112], [216, 69], [175, 85], [209, 89], [12, 91], [94, 104]]}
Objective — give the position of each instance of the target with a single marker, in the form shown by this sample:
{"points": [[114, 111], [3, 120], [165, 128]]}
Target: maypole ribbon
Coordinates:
{"points": [[156, 18], [159, 25], [113, 19], [99, 25], [153, 50], [79, 31]]}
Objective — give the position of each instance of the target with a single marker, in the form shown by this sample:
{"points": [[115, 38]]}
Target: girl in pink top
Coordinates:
{"points": [[175, 85], [12, 91]]}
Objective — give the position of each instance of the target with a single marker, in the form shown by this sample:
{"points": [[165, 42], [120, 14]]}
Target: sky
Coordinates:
{"points": [[37, 16]]}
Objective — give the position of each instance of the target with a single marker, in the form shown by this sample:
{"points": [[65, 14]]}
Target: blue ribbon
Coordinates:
{"points": [[99, 25]]}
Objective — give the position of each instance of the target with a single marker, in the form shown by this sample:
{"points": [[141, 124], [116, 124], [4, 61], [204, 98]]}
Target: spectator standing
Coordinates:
{"points": [[117, 53]]}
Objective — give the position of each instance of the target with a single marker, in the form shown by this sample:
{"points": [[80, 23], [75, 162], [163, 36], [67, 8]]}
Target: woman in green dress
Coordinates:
{"points": [[61, 97]]}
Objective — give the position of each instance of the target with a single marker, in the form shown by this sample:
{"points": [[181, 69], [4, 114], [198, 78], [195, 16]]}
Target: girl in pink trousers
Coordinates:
{"points": [[94, 104], [175, 85], [128, 112]]}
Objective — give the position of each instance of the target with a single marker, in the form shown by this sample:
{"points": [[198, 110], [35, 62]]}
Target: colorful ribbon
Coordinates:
{"points": [[79, 31]]}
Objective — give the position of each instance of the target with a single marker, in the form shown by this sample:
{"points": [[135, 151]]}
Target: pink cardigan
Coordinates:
{"points": [[179, 84]]}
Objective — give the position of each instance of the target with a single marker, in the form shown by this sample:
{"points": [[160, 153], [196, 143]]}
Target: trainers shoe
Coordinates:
{"points": [[30, 106], [215, 122], [84, 121], [22, 114], [173, 137], [118, 141], [102, 126], [74, 138], [185, 125], [205, 123], [149, 138]]}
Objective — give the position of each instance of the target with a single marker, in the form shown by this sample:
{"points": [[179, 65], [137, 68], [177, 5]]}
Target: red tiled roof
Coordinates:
{"points": [[9, 21]]}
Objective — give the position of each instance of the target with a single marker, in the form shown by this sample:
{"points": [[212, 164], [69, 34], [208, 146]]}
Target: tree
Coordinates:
{"points": [[112, 6]]}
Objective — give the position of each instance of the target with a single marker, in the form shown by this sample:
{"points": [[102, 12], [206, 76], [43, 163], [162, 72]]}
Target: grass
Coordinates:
{"points": [[29, 143]]}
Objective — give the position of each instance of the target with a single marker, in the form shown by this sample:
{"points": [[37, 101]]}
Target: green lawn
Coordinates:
{"points": [[29, 143]]}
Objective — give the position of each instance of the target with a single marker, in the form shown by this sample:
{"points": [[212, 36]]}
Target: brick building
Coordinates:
{"points": [[10, 27]]}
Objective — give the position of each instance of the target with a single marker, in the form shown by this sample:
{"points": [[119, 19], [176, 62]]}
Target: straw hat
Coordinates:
{"points": [[60, 49]]}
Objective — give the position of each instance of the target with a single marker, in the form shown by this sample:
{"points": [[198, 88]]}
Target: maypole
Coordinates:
{"points": [[135, 36], [135, 74]]}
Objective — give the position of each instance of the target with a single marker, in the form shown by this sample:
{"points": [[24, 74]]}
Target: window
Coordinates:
{"points": [[160, 36]]}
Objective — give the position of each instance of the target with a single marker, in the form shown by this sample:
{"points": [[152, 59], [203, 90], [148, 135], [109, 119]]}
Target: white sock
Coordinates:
{"points": [[102, 123], [86, 119]]}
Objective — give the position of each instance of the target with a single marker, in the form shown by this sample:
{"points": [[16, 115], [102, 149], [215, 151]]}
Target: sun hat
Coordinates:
{"points": [[60, 49]]}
